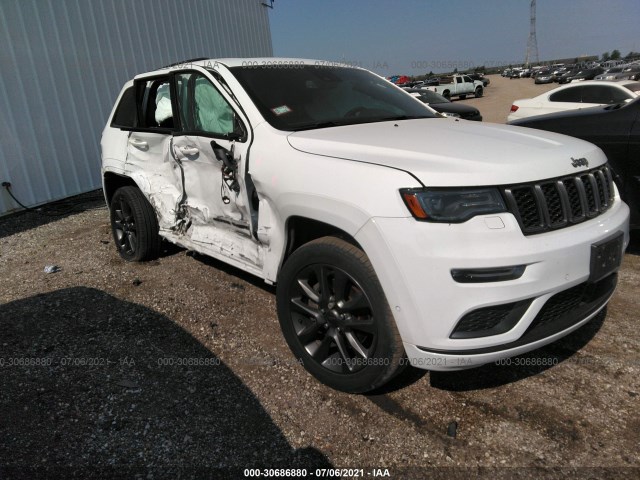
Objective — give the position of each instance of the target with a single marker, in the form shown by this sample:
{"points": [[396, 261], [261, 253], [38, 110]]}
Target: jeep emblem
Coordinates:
{"points": [[579, 162]]}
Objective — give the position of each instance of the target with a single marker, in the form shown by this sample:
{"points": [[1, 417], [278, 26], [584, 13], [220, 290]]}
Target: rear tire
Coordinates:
{"points": [[446, 94], [479, 92], [134, 225], [335, 317]]}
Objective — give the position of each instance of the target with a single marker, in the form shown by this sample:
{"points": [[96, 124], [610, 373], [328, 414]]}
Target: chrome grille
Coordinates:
{"points": [[559, 202]]}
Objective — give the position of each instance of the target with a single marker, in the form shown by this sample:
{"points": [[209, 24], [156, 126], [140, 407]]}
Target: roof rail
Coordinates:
{"points": [[191, 60]]}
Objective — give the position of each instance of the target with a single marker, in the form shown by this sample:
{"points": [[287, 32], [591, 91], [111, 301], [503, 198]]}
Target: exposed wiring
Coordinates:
{"points": [[7, 186], [229, 170], [182, 220], [71, 206]]}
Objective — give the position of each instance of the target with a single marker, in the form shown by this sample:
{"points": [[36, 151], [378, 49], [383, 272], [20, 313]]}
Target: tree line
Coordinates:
{"points": [[616, 55]]}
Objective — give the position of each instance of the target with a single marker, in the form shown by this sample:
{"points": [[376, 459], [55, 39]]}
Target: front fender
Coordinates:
{"points": [[342, 193]]}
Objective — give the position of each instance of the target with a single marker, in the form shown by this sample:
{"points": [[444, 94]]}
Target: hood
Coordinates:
{"points": [[453, 152]]}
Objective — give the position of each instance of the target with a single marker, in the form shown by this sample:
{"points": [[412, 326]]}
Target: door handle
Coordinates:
{"points": [[190, 151], [136, 142]]}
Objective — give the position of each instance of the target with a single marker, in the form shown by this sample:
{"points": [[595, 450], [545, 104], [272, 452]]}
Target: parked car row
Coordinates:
{"points": [[626, 72], [580, 75], [561, 74], [572, 73], [516, 72]]}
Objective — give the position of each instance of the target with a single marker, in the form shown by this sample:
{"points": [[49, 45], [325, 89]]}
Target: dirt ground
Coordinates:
{"points": [[176, 368]]}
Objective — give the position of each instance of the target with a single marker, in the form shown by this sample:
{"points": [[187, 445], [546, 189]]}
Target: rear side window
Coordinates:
{"points": [[603, 94], [126, 115], [567, 95], [157, 105]]}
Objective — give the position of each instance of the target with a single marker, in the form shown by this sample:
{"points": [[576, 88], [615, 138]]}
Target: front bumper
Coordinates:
{"points": [[414, 260]]}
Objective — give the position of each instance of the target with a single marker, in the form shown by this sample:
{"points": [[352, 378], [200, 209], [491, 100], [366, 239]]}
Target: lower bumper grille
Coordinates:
{"points": [[570, 306], [493, 320], [561, 311]]}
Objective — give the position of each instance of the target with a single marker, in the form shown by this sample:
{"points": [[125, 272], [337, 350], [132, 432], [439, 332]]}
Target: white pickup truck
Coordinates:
{"points": [[458, 86], [394, 236]]}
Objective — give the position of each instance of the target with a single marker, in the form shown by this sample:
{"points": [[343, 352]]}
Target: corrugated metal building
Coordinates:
{"points": [[63, 62]]}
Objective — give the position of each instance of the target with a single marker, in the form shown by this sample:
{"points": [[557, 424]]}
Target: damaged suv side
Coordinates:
{"points": [[394, 236]]}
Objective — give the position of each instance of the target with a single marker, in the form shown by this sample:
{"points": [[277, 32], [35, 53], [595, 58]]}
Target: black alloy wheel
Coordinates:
{"points": [[134, 225], [335, 317]]}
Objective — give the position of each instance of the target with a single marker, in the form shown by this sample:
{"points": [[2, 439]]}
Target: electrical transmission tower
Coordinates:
{"points": [[532, 44]]}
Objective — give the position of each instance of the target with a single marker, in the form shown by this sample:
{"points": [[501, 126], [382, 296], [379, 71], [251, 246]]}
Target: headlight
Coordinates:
{"points": [[449, 205], [448, 114]]}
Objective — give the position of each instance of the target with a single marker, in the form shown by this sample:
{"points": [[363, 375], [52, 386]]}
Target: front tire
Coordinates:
{"points": [[478, 92], [335, 317], [134, 225]]}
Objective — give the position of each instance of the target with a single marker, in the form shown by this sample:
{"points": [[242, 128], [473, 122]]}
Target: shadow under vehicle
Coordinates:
{"points": [[96, 387]]}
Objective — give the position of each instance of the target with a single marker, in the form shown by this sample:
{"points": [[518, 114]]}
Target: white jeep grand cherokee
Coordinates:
{"points": [[395, 236]]}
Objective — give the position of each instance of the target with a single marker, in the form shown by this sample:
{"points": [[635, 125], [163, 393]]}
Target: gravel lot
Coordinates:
{"points": [[94, 378]]}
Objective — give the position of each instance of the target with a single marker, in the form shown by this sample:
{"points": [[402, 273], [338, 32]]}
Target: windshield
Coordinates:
{"points": [[314, 96]]}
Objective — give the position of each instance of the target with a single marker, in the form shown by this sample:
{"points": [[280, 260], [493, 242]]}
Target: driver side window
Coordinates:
{"points": [[202, 106]]}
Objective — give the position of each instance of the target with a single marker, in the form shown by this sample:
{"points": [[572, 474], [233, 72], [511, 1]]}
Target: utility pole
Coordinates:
{"points": [[532, 44]]}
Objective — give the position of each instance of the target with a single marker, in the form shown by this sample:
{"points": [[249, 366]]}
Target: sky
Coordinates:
{"points": [[413, 37]]}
